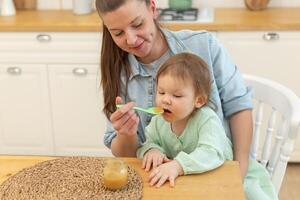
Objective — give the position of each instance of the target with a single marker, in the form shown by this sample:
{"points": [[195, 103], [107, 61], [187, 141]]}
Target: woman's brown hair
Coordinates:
{"points": [[113, 59], [187, 66]]}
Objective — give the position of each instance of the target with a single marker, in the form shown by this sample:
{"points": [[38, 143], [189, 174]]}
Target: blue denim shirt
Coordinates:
{"points": [[228, 94]]}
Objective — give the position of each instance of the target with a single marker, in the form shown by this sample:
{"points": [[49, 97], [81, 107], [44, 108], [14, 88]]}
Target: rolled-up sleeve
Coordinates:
{"points": [[234, 94], [109, 134]]}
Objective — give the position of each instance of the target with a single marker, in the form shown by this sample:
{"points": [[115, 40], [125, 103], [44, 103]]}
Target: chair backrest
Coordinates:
{"points": [[274, 139]]}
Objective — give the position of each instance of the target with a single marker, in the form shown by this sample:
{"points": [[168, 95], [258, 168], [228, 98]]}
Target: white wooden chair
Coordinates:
{"points": [[277, 141]]}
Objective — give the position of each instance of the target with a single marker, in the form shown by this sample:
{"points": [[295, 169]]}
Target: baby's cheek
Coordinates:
{"points": [[157, 101]]}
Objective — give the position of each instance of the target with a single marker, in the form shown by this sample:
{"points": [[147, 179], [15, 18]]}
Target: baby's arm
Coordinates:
{"points": [[151, 151], [212, 150]]}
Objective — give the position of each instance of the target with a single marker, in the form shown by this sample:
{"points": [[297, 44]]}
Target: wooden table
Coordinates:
{"points": [[222, 183]]}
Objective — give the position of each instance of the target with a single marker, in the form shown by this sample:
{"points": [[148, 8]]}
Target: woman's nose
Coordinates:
{"points": [[131, 38]]}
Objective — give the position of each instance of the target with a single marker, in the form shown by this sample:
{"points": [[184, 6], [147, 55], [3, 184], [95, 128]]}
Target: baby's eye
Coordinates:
{"points": [[177, 96], [161, 93]]}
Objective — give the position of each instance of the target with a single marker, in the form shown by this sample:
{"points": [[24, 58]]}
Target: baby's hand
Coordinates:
{"points": [[154, 158], [167, 171]]}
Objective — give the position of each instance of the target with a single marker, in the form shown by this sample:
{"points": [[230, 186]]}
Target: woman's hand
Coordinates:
{"points": [[125, 123], [154, 158], [124, 120], [167, 171]]}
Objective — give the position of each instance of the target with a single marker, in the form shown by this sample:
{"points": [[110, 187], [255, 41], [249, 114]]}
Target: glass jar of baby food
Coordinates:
{"points": [[115, 174]]}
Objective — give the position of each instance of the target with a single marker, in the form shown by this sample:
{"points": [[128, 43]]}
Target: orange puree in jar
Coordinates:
{"points": [[115, 174]]}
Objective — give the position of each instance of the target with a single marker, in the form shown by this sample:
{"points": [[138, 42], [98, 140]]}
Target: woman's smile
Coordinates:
{"points": [[139, 46]]}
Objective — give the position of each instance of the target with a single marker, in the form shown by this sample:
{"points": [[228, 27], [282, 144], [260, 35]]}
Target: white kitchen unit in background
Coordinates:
{"points": [[76, 109], [269, 54], [50, 97], [25, 117], [274, 55]]}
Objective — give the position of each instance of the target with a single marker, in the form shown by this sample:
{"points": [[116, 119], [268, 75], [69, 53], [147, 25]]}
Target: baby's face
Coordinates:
{"points": [[176, 97]]}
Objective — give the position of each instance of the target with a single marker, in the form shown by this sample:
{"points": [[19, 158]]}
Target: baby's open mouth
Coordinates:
{"points": [[167, 111]]}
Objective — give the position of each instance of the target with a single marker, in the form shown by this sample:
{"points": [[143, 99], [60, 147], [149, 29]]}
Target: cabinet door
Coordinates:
{"points": [[76, 107], [25, 126], [274, 55]]}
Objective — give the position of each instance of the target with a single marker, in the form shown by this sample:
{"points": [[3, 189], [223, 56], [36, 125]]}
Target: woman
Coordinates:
{"points": [[133, 48]]}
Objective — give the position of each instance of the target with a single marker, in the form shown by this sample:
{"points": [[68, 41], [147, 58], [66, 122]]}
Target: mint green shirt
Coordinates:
{"points": [[201, 147], [204, 146]]}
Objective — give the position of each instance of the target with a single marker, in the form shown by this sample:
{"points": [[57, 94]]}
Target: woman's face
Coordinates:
{"points": [[132, 27]]}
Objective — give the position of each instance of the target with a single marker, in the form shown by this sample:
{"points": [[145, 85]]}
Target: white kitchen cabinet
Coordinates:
{"points": [[25, 122], [52, 107], [76, 101], [274, 55]]}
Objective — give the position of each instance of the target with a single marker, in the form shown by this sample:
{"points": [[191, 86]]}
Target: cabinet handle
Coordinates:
{"points": [[14, 70], [271, 36], [43, 38], [80, 71]]}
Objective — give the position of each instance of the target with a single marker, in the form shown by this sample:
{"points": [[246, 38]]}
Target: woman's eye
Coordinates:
{"points": [[118, 34], [137, 25]]}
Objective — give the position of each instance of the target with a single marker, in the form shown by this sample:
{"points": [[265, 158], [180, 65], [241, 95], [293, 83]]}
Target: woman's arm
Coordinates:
{"points": [[241, 131], [236, 102], [124, 146]]}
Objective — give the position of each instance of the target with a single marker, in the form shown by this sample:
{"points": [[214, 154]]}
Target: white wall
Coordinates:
{"points": [[67, 4]]}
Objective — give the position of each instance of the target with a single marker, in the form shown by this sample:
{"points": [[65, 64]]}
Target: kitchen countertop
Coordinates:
{"points": [[226, 19]]}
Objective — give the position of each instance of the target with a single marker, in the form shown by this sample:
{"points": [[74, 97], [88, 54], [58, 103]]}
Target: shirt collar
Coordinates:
{"points": [[135, 66]]}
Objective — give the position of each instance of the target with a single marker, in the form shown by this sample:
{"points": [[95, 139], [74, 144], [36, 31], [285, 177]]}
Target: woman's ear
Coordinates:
{"points": [[200, 101], [153, 8]]}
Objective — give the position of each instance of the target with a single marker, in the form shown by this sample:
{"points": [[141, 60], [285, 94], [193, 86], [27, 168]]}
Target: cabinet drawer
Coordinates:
{"points": [[50, 47], [258, 36]]}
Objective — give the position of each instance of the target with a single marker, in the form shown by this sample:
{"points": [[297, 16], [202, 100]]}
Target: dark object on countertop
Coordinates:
{"points": [[180, 4], [68, 178], [168, 14], [257, 4]]}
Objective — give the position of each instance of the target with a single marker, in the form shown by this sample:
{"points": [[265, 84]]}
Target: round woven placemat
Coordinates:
{"points": [[68, 178]]}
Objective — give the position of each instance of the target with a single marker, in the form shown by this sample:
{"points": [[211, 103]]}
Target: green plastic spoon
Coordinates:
{"points": [[151, 110]]}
